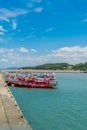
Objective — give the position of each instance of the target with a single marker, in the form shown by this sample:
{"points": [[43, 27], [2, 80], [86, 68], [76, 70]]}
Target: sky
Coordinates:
{"points": [[35, 32]]}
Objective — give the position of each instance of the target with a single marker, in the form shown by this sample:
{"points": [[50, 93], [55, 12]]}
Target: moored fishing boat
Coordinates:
{"points": [[31, 80]]}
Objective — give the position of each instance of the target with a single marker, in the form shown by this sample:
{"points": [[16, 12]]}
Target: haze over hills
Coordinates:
{"points": [[52, 66], [10, 68]]}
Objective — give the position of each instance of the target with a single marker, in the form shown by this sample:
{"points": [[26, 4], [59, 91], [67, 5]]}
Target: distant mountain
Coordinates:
{"points": [[59, 66], [50, 66], [11, 68]]}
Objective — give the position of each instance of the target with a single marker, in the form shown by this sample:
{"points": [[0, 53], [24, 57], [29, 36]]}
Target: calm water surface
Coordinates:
{"points": [[64, 108]]}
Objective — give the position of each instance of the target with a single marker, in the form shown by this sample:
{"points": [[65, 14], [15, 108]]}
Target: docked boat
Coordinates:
{"points": [[31, 80]]}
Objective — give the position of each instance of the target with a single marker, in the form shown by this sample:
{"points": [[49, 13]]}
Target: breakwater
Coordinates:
{"points": [[11, 117], [43, 71]]}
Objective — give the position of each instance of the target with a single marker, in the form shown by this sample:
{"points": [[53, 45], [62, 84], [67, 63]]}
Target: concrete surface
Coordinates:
{"points": [[11, 118]]}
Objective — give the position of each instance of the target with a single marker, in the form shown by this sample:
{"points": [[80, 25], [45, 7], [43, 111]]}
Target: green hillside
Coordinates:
{"points": [[50, 66], [81, 66], [58, 66]]}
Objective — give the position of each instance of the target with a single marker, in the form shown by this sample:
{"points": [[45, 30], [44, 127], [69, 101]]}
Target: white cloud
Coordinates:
{"points": [[14, 24], [4, 60], [1, 33], [33, 50], [10, 50], [49, 29], [6, 14], [4, 18], [72, 49], [3, 50], [24, 50], [71, 55], [2, 29], [38, 9]]}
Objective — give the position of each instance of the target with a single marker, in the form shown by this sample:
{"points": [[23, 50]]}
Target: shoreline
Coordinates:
{"points": [[45, 71]]}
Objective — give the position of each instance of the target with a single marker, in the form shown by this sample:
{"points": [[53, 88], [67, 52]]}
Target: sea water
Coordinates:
{"points": [[63, 108]]}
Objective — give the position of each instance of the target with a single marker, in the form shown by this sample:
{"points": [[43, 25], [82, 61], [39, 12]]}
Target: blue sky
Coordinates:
{"points": [[34, 32]]}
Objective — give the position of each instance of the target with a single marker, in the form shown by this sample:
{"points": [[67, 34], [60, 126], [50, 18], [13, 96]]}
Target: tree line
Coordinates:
{"points": [[58, 66]]}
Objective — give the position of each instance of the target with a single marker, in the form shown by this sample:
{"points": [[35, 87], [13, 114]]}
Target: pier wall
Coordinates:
{"points": [[11, 117]]}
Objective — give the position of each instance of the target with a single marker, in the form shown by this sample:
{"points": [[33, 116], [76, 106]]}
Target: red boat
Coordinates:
{"points": [[33, 82]]}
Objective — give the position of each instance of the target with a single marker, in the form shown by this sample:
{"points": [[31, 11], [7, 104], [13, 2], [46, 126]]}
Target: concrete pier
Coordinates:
{"points": [[11, 118]]}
